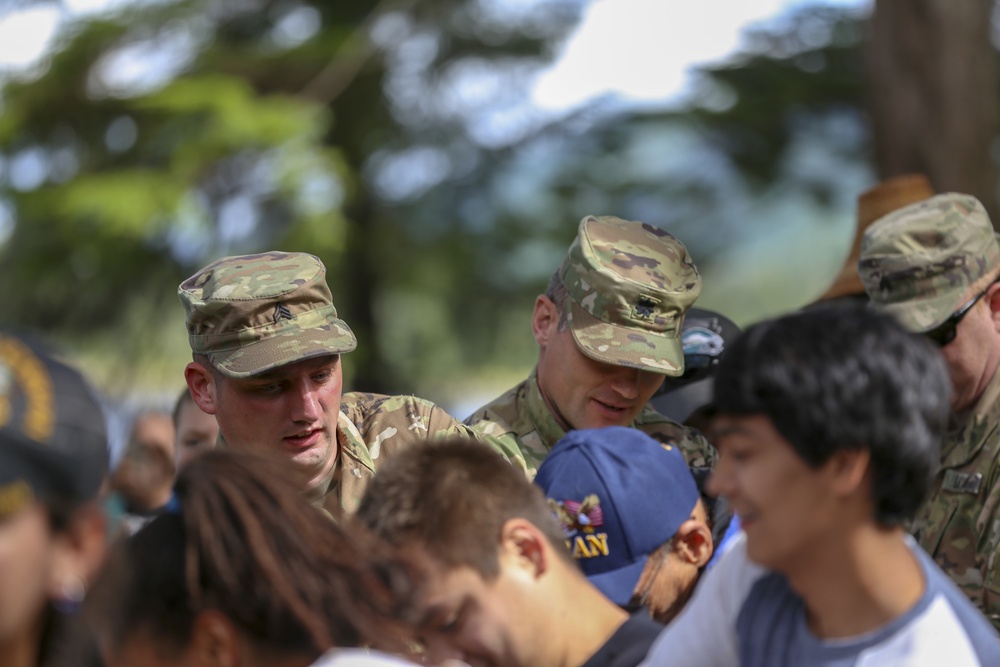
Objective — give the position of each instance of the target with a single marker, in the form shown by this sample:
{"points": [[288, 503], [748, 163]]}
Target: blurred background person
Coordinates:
{"points": [[53, 461], [275, 583], [686, 398], [632, 515], [145, 474], [195, 431]]}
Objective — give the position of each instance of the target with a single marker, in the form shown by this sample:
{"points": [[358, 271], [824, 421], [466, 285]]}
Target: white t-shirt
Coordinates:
{"points": [[356, 657], [745, 615]]}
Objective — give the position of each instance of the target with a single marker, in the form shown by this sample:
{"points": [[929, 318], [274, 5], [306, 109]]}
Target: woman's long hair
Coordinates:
{"points": [[240, 539]]}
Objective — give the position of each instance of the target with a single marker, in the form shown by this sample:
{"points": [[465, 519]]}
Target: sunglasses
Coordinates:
{"points": [[945, 332]]}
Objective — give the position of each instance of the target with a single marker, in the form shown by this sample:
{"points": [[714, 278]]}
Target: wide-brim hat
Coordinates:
{"points": [[251, 314], [886, 197], [629, 285]]}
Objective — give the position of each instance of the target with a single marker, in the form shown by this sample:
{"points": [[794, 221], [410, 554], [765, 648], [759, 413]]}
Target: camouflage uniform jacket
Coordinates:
{"points": [[959, 524], [526, 429], [373, 428]]}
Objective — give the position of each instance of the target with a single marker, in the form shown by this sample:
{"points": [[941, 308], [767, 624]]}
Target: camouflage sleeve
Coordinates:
{"points": [[697, 450], [988, 524], [504, 445]]}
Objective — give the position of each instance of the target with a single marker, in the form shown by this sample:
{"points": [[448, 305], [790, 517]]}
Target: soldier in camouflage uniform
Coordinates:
{"points": [[266, 342], [608, 330], [934, 265]]}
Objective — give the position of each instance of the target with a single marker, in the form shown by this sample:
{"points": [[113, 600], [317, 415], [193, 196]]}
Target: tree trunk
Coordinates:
{"points": [[934, 97]]}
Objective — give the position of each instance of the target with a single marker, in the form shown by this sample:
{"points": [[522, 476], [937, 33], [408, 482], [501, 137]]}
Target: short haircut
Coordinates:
{"points": [[845, 377], [452, 499], [557, 292]]}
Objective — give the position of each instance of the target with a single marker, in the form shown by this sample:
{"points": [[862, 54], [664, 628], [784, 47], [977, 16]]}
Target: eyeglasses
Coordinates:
{"points": [[945, 332]]}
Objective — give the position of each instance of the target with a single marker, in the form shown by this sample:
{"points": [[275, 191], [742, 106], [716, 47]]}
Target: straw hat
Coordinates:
{"points": [[884, 198]]}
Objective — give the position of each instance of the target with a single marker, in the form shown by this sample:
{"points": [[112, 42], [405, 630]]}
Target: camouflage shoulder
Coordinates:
{"points": [[697, 450], [500, 415], [402, 418]]}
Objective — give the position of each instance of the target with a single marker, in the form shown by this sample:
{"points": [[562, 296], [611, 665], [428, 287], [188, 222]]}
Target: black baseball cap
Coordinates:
{"points": [[53, 434]]}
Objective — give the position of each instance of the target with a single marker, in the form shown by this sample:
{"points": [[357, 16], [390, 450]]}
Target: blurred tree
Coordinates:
{"points": [[158, 137], [934, 101]]}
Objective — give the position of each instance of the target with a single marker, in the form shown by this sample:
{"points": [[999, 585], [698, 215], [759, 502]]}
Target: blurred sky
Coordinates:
{"points": [[640, 50]]}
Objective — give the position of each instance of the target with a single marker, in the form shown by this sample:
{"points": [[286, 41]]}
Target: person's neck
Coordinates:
{"points": [[856, 583], [553, 408], [589, 620], [317, 487]]}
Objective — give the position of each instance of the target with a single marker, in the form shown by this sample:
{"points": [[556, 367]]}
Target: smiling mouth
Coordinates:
{"points": [[303, 439]]}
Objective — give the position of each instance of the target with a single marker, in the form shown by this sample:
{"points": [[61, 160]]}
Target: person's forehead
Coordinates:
{"points": [[726, 425]]}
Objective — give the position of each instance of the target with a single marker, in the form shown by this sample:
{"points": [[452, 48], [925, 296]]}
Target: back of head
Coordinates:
{"points": [[240, 540], [620, 496], [629, 285], [451, 499], [919, 262], [53, 438], [249, 314], [844, 377]]}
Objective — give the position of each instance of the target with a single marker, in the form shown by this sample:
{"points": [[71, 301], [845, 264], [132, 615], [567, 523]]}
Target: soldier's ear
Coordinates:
{"points": [[544, 319], [201, 384], [993, 299]]}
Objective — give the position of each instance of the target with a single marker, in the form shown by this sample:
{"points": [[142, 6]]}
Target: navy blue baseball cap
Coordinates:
{"points": [[53, 438], [620, 495]]}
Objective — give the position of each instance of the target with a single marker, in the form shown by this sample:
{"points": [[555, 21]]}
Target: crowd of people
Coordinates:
{"points": [[821, 489]]}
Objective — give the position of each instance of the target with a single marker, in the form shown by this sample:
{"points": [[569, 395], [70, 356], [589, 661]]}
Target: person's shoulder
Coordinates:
{"points": [[630, 643], [953, 615], [499, 416], [697, 450]]}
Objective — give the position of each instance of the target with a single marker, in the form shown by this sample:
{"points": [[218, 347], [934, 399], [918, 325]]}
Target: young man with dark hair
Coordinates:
{"points": [[828, 425], [500, 587]]}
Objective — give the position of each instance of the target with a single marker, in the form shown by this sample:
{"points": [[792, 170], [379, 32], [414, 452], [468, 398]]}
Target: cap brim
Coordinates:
{"points": [[619, 585], [285, 348], [624, 346], [919, 315]]}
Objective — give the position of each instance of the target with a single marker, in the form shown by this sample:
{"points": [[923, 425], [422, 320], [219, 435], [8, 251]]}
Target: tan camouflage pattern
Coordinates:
{"points": [[249, 314], [959, 525], [525, 430], [371, 429], [918, 262], [630, 284]]}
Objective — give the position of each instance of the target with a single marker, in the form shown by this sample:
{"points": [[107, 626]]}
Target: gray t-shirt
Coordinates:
{"points": [[743, 614]]}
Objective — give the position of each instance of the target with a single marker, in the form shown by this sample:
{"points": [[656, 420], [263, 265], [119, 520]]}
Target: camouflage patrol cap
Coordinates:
{"points": [[918, 262], [251, 313], [630, 284]]}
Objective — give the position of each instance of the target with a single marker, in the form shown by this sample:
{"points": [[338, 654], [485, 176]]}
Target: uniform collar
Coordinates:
{"points": [[541, 417], [967, 439]]}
